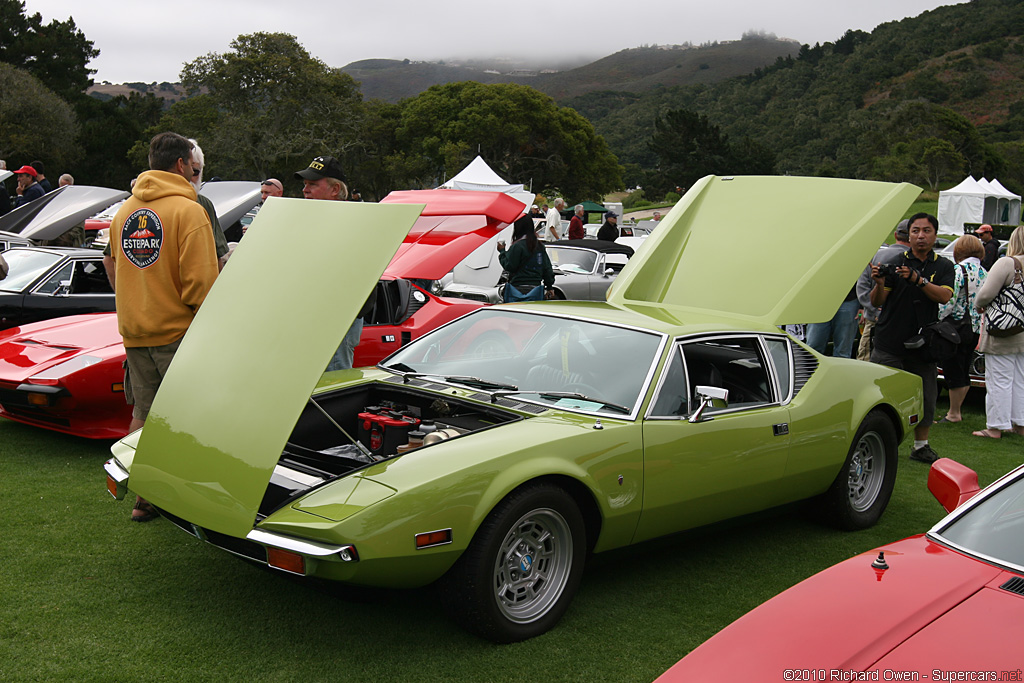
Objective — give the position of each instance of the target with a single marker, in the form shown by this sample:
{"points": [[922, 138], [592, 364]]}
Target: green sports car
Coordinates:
{"points": [[494, 453]]}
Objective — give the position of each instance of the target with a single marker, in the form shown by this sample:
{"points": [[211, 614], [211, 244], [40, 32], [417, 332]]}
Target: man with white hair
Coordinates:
{"points": [[65, 179], [553, 221], [219, 240]]}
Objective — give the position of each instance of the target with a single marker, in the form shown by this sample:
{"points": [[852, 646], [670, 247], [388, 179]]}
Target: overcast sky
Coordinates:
{"points": [[143, 41]]}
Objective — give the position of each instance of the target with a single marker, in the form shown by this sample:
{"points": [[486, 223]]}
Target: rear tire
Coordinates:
{"points": [[861, 490], [522, 568]]}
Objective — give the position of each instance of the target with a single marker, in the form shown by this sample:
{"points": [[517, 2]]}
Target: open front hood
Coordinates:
{"points": [[452, 225], [282, 305], [58, 211], [773, 248], [232, 199]]}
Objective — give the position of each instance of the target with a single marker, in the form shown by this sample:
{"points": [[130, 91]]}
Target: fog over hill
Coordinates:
{"points": [[634, 70]]}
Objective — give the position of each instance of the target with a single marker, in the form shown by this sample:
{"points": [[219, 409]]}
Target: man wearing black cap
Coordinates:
{"points": [[324, 179], [609, 231]]}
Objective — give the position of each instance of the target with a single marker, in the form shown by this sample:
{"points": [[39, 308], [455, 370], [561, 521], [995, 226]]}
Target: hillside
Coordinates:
{"points": [[870, 105], [170, 92], [635, 70], [642, 69]]}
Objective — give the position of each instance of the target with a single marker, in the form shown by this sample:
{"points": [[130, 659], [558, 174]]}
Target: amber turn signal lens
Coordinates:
{"points": [[117, 387], [286, 560], [112, 486], [39, 399], [432, 538]]}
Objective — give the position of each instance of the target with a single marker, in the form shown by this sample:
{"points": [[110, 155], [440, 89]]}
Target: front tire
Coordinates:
{"points": [[522, 568], [861, 490]]}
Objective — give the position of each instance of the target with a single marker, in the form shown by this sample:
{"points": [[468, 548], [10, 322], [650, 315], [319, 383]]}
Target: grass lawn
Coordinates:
{"points": [[89, 596]]}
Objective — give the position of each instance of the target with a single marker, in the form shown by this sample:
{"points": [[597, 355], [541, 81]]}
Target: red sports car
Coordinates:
{"points": [[67, 375], [948, 605]]}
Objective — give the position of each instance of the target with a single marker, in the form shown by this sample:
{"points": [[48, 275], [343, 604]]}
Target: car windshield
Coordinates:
{"points": [[992, 529], [533, 356], [572, 260], [26, 265]]}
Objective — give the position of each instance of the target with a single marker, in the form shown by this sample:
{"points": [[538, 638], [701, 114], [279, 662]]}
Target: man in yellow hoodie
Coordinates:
{"points": [[165, 262]]}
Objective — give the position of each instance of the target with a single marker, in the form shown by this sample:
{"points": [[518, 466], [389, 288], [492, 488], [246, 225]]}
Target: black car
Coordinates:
{"points": [[50, 282]]}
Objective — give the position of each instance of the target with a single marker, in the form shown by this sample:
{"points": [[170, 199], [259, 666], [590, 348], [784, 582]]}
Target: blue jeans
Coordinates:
{"points": [[842, 328], [512, 294], [342, 358]]}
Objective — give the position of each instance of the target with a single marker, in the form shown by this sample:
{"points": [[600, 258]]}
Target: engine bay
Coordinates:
{"points": [[344, 431]]}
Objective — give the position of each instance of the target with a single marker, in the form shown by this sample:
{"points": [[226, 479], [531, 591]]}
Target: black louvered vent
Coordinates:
{"points": [[1014, 585], [525, 407], [414, 305], [804, 365]]}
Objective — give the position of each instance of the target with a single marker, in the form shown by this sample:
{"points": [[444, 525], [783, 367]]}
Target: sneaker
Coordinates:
{"points": [[924, 454]]}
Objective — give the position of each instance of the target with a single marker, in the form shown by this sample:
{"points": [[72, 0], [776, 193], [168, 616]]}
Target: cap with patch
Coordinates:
{"points": [[27, 170], [322, 167], [611, 214]]}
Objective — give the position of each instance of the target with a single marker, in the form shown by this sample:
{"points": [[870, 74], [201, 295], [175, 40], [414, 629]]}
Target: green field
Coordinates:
{"points": [[89, 596]]}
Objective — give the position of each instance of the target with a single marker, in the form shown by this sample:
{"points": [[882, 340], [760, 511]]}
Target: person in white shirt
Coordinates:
{"points": [[553, 221]]}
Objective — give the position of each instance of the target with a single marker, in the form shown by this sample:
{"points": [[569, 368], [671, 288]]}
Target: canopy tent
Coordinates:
{"points": [[478, 266], [977, 201], [479, 176]]}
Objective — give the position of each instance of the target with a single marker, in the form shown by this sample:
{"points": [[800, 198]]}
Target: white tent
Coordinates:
{"points": [[977, 201], [481, 267]]}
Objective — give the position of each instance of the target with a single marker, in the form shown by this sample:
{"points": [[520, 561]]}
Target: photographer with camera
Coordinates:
{"points": [[888, 253], [909, 292]]}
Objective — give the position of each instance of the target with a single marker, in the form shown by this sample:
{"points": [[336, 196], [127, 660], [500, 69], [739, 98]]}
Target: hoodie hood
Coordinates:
{"points": [[153, 185]]}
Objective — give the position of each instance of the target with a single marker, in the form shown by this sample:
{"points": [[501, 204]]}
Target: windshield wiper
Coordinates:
{"points": [[479, 382], [564, 394], [408, 373]]}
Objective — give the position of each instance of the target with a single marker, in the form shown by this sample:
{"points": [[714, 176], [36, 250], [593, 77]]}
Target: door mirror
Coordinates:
{"points": [[715, 397]]}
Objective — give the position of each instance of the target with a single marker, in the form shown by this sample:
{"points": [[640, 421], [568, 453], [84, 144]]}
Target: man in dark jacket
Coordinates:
{"points": [[991, 245], [28, 188], [609, 231]]}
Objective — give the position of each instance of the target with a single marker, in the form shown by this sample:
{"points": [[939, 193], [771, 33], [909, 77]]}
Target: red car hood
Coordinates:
{"points": [[30, 349], [452, 225], [933, 608]]}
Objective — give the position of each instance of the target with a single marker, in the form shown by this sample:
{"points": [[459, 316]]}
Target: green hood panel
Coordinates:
{"points": [[255, 351], [729, 246]]}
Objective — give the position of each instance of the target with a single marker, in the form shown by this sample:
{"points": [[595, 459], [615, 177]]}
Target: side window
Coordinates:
{"points": [[90, 278], [733, 363], [671, 401], [778, 349], [53, 282]]}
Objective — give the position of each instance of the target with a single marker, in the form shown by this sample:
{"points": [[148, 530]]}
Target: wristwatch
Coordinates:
{"points": [[921, 282]]}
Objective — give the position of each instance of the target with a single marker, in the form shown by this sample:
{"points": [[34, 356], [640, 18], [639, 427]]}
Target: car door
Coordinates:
{"points": [[76, 286], [726, 463]]}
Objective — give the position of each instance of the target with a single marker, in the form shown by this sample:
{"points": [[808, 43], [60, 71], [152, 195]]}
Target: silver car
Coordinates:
{"points": [[584, 269]]}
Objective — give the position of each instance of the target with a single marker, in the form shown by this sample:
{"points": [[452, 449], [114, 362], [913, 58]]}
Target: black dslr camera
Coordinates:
{"points": [[887, 270]]}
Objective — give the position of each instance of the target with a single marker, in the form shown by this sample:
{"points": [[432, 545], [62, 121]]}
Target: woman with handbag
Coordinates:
{"points": [[961, 311], [1004, 354]]}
